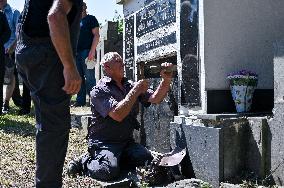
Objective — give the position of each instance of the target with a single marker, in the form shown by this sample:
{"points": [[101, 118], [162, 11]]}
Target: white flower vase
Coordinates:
{"points": [[242, 96], [242, 89]]}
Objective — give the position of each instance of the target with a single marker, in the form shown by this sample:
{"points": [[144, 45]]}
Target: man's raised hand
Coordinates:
{"points": [[165, 74]]}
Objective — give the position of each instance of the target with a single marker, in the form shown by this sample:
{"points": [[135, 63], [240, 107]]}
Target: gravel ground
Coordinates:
{"points": [[17, 153]]}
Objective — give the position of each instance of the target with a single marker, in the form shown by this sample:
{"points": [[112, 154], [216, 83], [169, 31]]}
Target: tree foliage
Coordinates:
{"points": [[118, 18]]}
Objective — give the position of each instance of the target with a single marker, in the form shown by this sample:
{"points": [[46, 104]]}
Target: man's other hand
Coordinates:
{"points": [[91, 55], [165, 74], [142, 85], [72, 80]]}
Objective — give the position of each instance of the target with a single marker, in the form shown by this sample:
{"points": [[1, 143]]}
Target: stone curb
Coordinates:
{"points": [[81, 121]]}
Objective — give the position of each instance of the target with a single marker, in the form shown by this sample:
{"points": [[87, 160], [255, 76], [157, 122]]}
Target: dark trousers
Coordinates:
{"points": [[42, 71], [26, 99], [2, 73], [107, 160], [16, 96]]}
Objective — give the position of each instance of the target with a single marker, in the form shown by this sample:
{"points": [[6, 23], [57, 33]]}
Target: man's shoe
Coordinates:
{"points": [[6, 107], [74, 168], [78, 166]]}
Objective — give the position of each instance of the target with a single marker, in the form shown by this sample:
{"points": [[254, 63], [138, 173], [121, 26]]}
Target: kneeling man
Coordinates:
{"points": [[114, 105]]}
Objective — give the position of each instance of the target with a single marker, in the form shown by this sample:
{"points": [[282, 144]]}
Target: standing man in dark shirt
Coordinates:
{"points": [[87, 44], [5, 33], [47, 36], [114, 105]]}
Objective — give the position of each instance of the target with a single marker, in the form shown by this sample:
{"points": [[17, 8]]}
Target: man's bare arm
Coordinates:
{"points": [[60, 36], [124, 107], [59, 31], [96, 39]]}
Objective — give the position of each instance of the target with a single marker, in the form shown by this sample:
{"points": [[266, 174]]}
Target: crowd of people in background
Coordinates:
{"points": [[42, 46], [5, 33], [86, 53], [9, 69]]}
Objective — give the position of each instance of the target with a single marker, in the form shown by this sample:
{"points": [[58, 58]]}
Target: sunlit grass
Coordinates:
{"points": [[17, 152]]}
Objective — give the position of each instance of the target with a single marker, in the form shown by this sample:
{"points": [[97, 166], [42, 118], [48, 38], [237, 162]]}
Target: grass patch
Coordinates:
{"points": [[19, 125], [17, 151]]}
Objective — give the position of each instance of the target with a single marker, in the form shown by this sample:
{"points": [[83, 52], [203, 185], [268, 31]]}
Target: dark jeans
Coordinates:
{"points": [[42, 71], [106, 160], [26, 99], [16, 96], [87, 76], [2, 73]]}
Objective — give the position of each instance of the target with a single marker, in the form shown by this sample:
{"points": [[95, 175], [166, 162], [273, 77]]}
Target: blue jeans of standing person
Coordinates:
{"points": [[87, 75], [41, 70]]}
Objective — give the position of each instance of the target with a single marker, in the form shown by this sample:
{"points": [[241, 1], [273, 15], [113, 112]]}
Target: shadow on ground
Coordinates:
{"points": [[20, 125]]}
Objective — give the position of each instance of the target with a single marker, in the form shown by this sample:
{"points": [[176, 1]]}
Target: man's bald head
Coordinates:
{"points": [[110, 57]]}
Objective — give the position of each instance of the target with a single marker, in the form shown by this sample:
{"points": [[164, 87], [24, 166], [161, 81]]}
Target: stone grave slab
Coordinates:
{"points": [[204, 148]]}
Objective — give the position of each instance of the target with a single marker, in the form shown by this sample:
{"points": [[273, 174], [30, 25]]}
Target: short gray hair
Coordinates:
{"points": [[109, 57]]}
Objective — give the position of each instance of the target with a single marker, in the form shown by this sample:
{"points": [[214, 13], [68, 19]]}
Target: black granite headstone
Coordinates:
{"points": [[158, 14], [129, 47], [190, 89], [163, 41]]}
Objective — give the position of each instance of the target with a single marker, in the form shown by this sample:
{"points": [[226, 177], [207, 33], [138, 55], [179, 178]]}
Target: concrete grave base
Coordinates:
{"points": [[276, 143], [81, 120], [276, 132], [221, 147]]}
